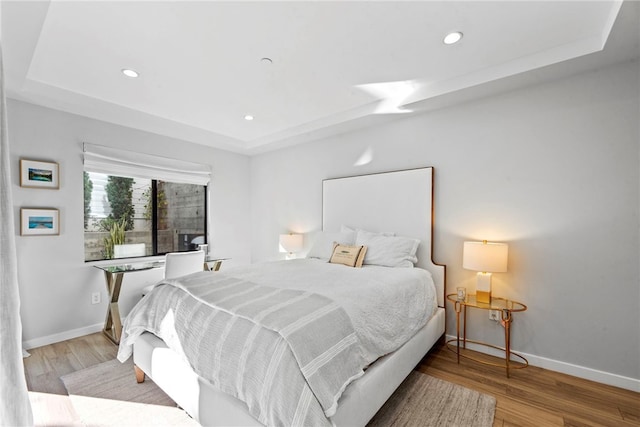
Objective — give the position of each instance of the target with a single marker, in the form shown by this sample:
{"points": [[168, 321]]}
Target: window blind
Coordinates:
{"points": [[113, 161]]}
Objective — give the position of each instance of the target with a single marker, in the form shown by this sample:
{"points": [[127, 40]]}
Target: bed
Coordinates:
{"points": [[346, 389]]}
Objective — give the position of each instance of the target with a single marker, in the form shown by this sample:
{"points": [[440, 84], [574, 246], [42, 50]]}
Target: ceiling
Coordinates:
{"points": [[334, 66]]}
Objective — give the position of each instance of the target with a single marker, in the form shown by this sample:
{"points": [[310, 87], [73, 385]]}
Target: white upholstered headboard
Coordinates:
{"points": [[400, 202]]}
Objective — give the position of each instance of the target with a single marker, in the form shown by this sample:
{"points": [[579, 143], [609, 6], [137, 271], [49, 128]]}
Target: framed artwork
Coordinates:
{"points": [[39, 174], [39, 222]]}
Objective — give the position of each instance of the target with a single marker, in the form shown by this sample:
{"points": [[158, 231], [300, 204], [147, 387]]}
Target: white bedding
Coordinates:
{"points": [[383, 308], [387, 306]]}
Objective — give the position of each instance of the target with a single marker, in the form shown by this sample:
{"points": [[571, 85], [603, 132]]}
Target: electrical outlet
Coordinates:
{"points": [[494, 315], [95, 298]]}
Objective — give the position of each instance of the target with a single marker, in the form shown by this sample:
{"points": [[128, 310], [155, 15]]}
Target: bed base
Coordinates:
{"points": [[210, 407]]}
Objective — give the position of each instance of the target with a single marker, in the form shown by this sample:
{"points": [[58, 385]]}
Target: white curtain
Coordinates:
{"points": [[15, 409]]}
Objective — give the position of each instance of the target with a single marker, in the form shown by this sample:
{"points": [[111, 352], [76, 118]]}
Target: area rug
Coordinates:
{"points": [[422, 400], [108, 395]]}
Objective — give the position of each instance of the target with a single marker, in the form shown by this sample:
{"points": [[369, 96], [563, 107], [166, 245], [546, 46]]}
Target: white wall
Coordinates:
{"points": [[553, 170], [55, 283]]}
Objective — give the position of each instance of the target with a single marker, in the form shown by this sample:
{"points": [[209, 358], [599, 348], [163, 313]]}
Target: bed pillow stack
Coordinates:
{"points": [[384, 249]]}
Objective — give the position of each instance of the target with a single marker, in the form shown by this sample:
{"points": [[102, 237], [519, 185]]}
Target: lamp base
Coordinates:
{"points": [[483, 296], [483, 287]]}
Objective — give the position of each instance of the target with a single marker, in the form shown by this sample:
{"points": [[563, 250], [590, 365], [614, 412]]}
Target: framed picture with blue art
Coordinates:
{"points": [[39, 222], [38, 174]]}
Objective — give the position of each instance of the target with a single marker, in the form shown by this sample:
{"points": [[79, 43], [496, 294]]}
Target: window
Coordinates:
{"points": [[135, 211]]}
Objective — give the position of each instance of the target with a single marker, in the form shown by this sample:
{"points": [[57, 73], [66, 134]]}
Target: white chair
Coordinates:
{"points": [[178, 264]]}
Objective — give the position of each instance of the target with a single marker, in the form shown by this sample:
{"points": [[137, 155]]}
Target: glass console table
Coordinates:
{"points": [[114, 274]]}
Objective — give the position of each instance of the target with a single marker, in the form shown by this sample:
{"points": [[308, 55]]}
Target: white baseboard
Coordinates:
{"points": [[62, 336], [565, 368]]}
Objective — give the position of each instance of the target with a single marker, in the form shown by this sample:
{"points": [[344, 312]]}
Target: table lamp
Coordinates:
{"points": [[485, 258], [290, 243]]}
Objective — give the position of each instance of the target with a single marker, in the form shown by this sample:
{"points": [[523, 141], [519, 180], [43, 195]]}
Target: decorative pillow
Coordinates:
{"points": [[388, 251], [322, 247], [351, 256]]}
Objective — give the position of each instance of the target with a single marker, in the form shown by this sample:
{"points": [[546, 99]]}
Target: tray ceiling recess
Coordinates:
{"points": [[255, 76]]}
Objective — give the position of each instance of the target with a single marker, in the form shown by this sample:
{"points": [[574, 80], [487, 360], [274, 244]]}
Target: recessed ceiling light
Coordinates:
{"points": [[248, 117], [266, 61], [130, 73], [452, 38]]}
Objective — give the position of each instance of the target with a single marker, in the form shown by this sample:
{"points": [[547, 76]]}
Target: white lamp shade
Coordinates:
{"points": [[485, 256], [291, 243]]}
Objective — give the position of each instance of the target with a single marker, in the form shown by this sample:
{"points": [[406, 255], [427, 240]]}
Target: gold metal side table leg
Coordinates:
{"points": [[457, 307], [464, 328], [506, 320]]}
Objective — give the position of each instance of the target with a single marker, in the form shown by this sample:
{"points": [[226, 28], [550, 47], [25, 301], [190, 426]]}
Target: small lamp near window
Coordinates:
{"points": [[485, 258], [291, 243]]}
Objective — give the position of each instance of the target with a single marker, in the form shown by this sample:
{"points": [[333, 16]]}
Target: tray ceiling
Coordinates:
{"points": [[331, 66]]}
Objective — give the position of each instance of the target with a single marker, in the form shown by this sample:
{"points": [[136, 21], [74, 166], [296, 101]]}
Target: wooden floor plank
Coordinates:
{"points": [[630, 412], [518, 414]]}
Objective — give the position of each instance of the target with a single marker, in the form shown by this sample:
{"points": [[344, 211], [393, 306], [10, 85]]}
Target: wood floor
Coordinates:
{"points": [[531, 397], [47, 364], [538, 397]]}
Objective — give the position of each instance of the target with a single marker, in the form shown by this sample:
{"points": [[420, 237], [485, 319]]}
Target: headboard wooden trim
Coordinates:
{"points": [[398, 201]]}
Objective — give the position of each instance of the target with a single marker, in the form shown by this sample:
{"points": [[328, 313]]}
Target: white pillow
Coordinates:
{"points": [[388, 251], [323, 243]]}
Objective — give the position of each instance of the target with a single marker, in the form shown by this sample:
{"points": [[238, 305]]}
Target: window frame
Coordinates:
{"points": [[154, 220]]}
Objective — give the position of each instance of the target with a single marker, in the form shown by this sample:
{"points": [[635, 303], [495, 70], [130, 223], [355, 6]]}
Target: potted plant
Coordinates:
{"points": [[116, 237]]}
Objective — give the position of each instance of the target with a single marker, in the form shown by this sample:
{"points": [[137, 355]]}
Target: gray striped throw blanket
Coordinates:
{"points": [[288, 354]]}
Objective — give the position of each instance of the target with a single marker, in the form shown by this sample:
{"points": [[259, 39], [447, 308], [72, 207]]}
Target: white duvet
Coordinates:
{"points": [[287, 352], [387, 306]]}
